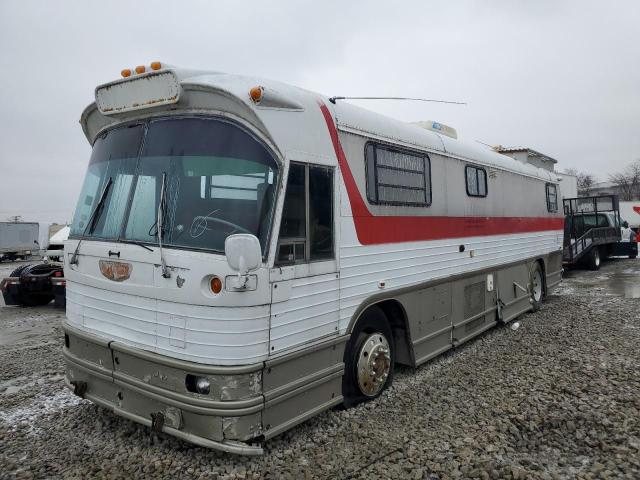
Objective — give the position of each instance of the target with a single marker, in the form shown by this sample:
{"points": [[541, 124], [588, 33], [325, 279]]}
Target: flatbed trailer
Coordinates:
{"points": [[592, 230], [38, 284], [32, 285]]}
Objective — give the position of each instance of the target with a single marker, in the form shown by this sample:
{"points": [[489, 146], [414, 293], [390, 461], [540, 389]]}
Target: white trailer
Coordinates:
{"points": [[630, 212], [18, 239], [245, 254]]}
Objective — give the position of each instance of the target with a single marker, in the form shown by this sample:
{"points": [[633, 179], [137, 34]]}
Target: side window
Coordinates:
{"points": [[552, 197], [476, 179], [397, 177], [321, 212], [306, 228]]}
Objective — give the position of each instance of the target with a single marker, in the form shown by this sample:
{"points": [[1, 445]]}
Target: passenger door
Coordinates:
{"points": [[305, 280]]}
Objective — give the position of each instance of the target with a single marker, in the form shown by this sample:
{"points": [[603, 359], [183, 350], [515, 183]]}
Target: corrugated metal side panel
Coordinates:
{"points": [[311, 312], [129, 318], [406, 264], [218, 335], [209, 335]]}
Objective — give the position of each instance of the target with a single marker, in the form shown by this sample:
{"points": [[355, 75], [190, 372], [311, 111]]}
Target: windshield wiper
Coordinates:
{"points": [[93, 220], [165, 270], [140, 244]]}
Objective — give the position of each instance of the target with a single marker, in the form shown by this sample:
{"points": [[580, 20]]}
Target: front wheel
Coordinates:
{"points": [[369, 358]]}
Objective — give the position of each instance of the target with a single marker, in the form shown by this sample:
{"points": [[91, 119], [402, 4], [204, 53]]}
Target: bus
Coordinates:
{"points": [[245, 254]]}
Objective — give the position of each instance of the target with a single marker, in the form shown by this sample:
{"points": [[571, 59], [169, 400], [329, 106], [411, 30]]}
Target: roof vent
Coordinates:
{"points": [[438, 128]]}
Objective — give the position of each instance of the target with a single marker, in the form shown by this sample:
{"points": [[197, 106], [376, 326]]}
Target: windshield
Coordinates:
{"points": [[220, 180]]}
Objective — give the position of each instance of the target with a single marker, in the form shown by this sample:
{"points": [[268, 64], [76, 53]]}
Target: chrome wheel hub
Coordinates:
{"points": [[537, 285], [374, 364]]}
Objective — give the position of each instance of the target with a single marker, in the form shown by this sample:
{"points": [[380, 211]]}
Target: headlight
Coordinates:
{"points": [[202, 385], [196, 384]]}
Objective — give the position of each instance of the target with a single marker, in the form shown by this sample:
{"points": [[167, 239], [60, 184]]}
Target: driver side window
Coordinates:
{"points": [[306, 228]]}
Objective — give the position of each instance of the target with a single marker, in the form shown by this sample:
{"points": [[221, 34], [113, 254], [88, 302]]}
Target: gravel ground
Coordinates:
{"points": [[557, 398]]}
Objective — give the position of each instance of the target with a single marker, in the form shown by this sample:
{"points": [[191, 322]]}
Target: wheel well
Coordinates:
{"points": [[397, 318]]}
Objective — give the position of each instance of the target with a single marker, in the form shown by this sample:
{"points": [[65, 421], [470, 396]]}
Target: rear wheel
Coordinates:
{"points": [[593, 262], [369, 358], [537, 286]]}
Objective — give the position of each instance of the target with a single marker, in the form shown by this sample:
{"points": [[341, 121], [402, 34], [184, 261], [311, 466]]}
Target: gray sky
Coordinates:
{"points": [[562, 77]]}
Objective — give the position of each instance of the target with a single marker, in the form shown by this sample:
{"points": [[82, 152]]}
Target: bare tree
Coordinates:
{"points": [[585, 184], [627, 181]]}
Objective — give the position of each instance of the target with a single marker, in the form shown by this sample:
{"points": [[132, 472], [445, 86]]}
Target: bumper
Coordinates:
{"points": [[225, 446], [16, 292], [245, 403], [10, 288], [624, 249]]}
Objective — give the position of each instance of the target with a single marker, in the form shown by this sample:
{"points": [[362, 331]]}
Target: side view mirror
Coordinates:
{"points": [[243, 252]]}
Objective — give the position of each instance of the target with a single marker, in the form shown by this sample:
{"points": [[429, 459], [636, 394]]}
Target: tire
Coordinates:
{"points": [[30, 300], [372, 338], [593, 262], [18, 271], [537, 286]]}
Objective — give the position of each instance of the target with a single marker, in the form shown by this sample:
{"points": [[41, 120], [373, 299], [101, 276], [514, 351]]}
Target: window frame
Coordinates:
{"points": [[555, 189], [466, 181], [306, 240], [145, 122], [407, 151]]}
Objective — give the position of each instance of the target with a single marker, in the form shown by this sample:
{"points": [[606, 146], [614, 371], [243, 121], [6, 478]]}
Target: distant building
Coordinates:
{"points": [[610, 188], [528, 155], [569, 185]]}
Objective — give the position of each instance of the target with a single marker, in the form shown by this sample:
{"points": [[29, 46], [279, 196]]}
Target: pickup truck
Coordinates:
{"points": [[593, 230]]}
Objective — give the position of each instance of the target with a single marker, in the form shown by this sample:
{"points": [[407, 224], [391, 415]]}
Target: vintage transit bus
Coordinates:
{"points": [[245, 254]]}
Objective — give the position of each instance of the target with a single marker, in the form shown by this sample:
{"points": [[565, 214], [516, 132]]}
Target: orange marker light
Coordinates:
{"points": [[140, 69], [256, 94], [125, 73], [216, 285], [156, 65]]}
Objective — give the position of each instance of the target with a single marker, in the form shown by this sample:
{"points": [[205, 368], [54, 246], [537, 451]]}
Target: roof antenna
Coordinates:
{"points": [[333, 99]]}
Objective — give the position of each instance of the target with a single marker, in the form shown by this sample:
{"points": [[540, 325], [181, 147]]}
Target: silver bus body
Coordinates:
{"points": [[443, 237]]}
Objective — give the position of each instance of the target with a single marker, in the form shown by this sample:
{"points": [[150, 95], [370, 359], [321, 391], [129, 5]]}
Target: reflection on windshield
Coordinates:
{"points": [[220, 181], [114, 156]]}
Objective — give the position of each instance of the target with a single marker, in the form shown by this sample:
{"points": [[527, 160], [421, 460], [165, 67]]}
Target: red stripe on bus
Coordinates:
{"points": [[373, 229]]}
